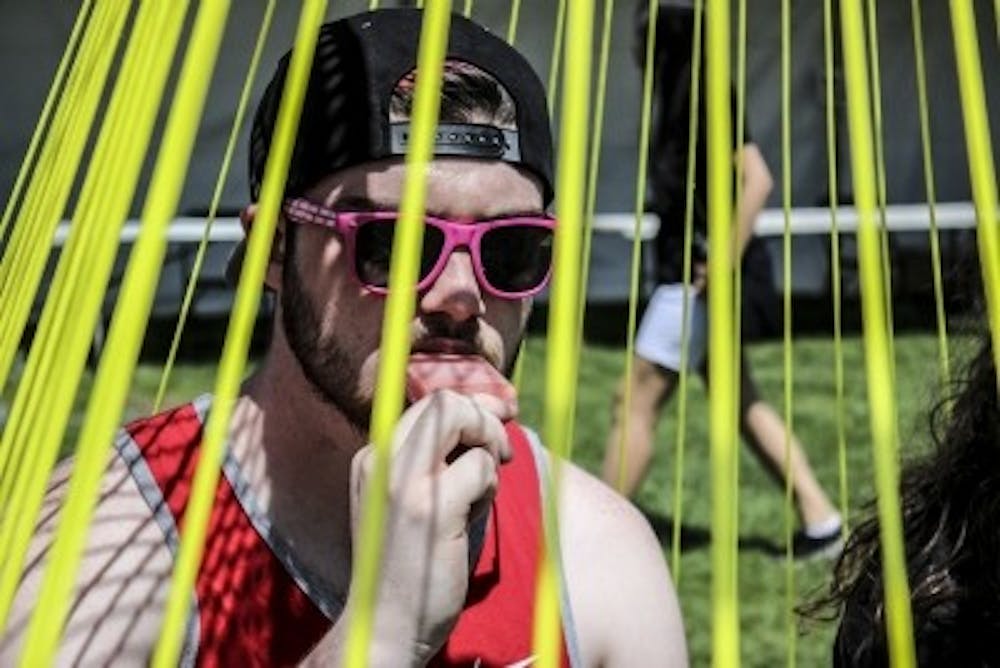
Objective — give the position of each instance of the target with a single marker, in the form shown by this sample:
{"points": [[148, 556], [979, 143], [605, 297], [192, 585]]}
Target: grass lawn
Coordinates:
{"points": [[762, 575]]}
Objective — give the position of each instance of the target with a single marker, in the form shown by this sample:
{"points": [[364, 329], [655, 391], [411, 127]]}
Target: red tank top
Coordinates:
{"points": [[253, 608]]}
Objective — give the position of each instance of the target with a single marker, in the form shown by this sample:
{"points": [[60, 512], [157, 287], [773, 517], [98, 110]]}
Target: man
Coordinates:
{"points": [[462, 544], [659, 339]]}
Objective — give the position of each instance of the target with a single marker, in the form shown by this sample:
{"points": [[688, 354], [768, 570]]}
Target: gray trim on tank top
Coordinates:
{"points": [[539, 453], [329, 602], [131, 455]]}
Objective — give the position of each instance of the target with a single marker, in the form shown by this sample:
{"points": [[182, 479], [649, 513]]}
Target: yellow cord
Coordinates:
{"points": [[55, 89], [982, 171], [694, 112], [996, 15], [55, 363], [925, 142], [876, 97], [517, 377], [117, 366], [220, 183], [561, 361], [592, 172], [832, 188], [556, 57], [395, 346], [515, 14], [40, 192], [237, 343], [47, 192], [17, 459], [636, 262], [786, 206], [42, 377], [740, 120], [878, 363], [234, 352], [725, 601]]}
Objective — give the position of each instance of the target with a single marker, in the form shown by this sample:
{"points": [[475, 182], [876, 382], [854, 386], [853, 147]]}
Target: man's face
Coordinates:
{"points": [[333, 324]]}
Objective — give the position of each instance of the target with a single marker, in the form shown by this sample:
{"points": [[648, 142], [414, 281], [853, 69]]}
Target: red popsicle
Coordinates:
{"points": [[470, 375]]}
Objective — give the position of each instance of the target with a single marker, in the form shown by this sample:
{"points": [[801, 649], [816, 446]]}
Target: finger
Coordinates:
{"points": [[468, 486], [505, 409], [410, 418], [362, 465], [444, 420]]}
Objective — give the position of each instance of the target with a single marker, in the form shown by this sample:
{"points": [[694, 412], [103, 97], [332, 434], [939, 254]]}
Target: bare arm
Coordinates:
{"points": [[757, 185], [622, 598], [120, 587]]}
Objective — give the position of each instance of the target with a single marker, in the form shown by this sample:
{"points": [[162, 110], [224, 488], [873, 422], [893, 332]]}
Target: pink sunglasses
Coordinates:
{"points": [[512, 257]]}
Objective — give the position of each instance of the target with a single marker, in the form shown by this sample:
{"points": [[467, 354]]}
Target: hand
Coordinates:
{"points": [[447, 450], [699, 276]]}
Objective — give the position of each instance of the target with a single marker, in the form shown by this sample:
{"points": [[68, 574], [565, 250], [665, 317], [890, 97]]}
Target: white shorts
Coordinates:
{"points": [[659, 337]]}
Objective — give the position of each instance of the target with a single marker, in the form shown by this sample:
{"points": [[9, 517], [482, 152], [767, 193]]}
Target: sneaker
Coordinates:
{"points": [[825, 546]]}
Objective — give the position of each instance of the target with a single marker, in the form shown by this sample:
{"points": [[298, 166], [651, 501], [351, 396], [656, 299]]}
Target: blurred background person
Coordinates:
{"points": [[659, 340]]}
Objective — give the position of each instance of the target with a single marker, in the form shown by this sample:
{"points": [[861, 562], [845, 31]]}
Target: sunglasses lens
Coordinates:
{"points": [[516, 258], [373, 249], [433, 245]]}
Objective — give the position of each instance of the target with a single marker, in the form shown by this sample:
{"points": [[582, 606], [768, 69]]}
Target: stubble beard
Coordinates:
{"points": [[328, 366], [325, 363]]}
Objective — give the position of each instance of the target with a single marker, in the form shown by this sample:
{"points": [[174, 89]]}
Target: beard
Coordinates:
{"points": [[325, 363]]}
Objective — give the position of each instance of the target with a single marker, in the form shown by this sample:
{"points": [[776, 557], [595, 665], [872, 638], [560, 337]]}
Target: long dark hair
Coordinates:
{"points": [[951, 523]]}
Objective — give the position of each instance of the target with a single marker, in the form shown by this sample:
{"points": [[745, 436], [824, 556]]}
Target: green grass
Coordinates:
{"points": [[763, 612], [762, 577]]}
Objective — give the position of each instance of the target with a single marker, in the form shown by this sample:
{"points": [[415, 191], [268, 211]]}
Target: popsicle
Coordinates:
{"points": [[470, 375]]}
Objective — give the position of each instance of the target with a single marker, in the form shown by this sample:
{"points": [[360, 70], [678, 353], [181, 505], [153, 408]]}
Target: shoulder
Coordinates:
{"points": [[623, 601], [121, 583]]}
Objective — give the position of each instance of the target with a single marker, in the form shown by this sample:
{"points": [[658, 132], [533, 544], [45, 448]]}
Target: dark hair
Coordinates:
{"points": [[674, 34], [468, 95], [951, 524]]}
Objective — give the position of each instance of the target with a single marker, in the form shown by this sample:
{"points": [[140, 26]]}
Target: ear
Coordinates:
{"points": [[276, 260]]}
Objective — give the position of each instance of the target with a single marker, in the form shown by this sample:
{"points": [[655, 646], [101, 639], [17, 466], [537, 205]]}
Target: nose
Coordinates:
{"points": [[456, 292]]}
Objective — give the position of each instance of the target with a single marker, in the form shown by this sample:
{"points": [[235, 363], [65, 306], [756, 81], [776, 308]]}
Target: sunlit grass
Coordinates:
{"points": [[762, 576]]}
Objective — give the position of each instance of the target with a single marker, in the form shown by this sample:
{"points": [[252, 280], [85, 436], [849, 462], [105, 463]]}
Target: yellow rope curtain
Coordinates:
{"points": [[55, 363], [43, 398]]}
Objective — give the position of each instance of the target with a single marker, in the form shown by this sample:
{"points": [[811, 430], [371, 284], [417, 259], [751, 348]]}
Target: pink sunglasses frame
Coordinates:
{"points": [[457, 234]]}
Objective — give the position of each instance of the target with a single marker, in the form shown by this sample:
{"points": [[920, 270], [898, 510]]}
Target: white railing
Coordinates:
{"points": [[807, 220], [816, 220]]}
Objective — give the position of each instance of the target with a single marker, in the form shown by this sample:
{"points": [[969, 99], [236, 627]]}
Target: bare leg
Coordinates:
{"points": [[651, 387], [766, 432]]}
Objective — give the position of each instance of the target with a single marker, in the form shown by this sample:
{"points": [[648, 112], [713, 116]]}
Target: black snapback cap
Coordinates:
{"points": [[359, 61]]}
